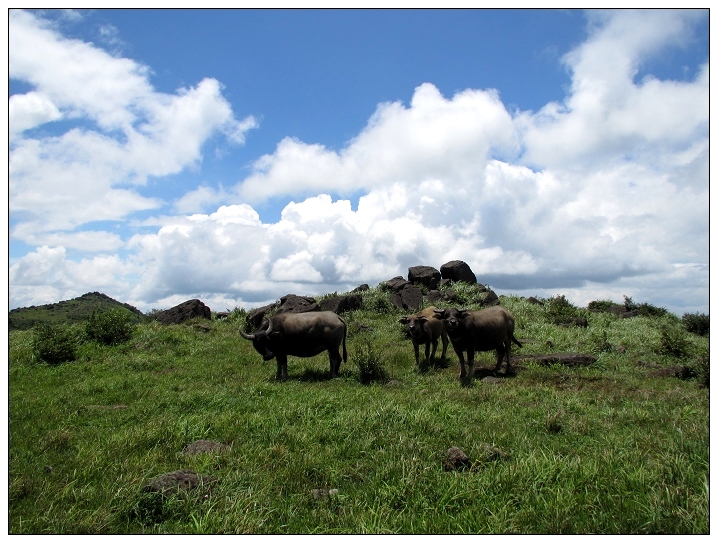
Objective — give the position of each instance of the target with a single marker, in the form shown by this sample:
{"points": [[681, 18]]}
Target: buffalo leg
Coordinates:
{"points": [[416, 353], [444, 345], [462, 364], [500, 351], [470, 360], [434, 345], [282, 373], [335, 361], [508, 355]]}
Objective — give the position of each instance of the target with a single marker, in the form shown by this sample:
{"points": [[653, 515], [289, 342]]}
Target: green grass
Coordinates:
{"points": [[603, 449]]}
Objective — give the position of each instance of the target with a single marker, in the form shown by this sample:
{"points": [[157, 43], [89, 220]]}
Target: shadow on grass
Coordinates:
{"points": [[312, 375], [483, 373]]}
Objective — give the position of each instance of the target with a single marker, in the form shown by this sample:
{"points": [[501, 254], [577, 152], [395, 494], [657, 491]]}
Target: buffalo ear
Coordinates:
{"points": [[439, 313], [403, 320], [422, 318], [274, 334]]}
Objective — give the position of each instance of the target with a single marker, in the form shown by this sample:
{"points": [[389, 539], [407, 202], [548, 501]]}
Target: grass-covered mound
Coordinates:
{"points": [[620, 446], [76, 310]]}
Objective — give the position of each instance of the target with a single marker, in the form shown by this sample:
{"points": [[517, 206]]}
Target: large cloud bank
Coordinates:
{"points": [[600, 195]]}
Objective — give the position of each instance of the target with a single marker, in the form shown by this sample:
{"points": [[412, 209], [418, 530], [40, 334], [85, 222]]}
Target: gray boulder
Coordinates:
{"points": [[458, 270], [361, 288], [340, 304], [256, 315], [395, 285], [411, 298], [490, 299], [184, 311], [424, 275], [291, 303]]}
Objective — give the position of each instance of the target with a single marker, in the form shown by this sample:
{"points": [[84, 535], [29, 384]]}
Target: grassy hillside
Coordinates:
{"points": [[620, 446], [68, 311]]}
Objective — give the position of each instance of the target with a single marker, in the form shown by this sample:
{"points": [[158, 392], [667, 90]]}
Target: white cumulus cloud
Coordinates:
{"points": [[122, 129], [601, 195]]}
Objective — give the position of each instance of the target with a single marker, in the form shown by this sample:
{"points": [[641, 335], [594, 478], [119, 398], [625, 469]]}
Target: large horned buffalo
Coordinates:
{"points": [[303, 335], [425, 328], [484, 330]]}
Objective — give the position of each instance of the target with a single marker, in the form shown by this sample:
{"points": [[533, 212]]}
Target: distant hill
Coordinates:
{"points": [[69, 311]]}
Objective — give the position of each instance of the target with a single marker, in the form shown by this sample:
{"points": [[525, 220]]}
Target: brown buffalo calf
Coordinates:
{"points": [[425, 328]]}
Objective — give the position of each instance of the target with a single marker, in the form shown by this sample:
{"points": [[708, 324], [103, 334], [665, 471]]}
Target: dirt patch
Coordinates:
{"points": [[183, 479], [204, 446]]}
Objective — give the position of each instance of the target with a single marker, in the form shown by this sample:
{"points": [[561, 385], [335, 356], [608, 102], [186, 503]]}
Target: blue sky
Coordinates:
{"points": [[237, 156]]}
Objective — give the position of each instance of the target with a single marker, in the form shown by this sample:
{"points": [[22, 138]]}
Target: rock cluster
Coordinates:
{"points": [[409, 295]]}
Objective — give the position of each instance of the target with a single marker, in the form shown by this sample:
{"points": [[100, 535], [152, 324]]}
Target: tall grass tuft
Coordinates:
{"points": [[369, 364]]}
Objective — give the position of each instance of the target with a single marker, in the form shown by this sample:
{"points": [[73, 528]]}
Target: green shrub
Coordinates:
{"points": [[377, 300], [111, 327], [466, 294], [702, 368], [697, 323], [560, 311], [674, 342], [644, 309], [237, 316], [601, 306], [369, 366], [54, 343]]}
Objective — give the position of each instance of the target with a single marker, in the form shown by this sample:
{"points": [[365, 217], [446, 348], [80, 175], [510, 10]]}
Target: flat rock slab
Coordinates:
{"points": [[572, 360], [681, 372], [183, 479]]}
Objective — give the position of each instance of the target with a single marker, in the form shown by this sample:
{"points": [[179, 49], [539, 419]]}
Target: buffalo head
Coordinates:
{"points": [[260, 340], [452, 317], [415, 324]]}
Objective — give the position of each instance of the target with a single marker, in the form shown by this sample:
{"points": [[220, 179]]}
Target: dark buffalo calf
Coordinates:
{"points": [[484, 330]]}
